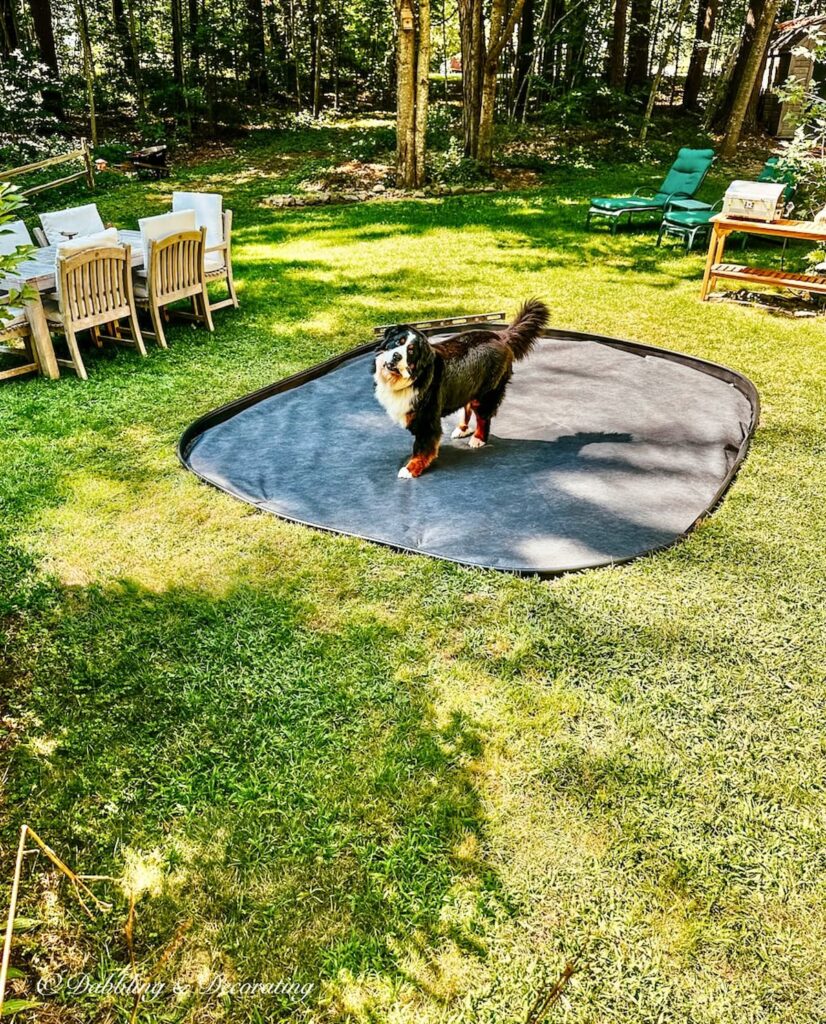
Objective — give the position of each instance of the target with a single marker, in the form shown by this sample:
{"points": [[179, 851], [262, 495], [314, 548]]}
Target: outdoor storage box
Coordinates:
{"points": [[754, 200]]}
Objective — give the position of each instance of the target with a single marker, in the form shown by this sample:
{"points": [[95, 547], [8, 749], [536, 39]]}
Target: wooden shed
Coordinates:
{"points": [[791, 54]]}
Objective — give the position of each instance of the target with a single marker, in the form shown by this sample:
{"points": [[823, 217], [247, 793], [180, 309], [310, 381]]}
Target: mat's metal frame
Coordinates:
{"points": [[451, 321], [456, 324]]}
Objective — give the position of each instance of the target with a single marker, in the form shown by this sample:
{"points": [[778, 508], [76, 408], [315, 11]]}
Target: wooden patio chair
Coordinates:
{"points": [[16, 340], [209, 213], [94, 287], [174, 271]]}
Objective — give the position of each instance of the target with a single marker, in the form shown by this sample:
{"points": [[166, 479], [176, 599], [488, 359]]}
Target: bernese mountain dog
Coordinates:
{"points": [[418, 382]]}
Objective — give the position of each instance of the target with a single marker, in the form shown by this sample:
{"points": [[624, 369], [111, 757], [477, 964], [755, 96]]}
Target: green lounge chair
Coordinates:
{"points": [[682, 182], [687, 219]]}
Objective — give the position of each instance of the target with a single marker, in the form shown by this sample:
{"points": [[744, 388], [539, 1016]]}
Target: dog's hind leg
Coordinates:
{"points": [[485, 409], [463, 429]]}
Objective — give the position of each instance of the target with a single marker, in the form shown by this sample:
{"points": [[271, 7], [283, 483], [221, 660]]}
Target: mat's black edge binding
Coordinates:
{"points": [[455, 325]]}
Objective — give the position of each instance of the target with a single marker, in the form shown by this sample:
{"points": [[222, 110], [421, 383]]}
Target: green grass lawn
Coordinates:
{"points": [[416, 789]]}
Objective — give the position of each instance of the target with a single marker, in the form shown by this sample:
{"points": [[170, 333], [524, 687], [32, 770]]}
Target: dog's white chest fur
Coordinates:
{"points": [[397, 403]]}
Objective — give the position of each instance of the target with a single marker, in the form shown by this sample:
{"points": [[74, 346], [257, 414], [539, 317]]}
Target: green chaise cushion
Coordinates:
{"points": [[687, 171], [689, 218], [615, 203]]}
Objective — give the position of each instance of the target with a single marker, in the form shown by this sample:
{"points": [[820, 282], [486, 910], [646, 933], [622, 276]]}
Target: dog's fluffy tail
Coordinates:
{"points": [[521, 335]]}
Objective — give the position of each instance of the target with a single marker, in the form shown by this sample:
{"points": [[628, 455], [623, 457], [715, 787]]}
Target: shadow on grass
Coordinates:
{"points": [[309, 810]]}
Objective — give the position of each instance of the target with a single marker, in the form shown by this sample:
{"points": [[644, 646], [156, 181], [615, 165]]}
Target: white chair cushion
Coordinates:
{"points": [[107, 238], [13, 234], [209, 212], [214, 261], [83, 220], [153, 228]]}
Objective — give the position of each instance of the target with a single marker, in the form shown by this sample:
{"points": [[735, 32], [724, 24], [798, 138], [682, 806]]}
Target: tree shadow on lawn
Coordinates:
{"points": [[309, 810]]}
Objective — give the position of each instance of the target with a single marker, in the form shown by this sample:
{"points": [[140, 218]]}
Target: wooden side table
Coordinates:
{"points": [[718, 269]]}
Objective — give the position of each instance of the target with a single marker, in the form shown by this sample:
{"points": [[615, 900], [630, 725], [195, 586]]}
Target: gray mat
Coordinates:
{"points": [[602, 451]]}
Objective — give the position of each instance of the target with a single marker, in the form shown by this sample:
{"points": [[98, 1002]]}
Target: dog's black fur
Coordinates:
{"points": [[419, 383]]}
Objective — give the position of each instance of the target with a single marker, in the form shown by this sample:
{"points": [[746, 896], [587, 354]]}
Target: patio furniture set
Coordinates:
{"points": [[685, 217], [673, 203], [86, 276]]}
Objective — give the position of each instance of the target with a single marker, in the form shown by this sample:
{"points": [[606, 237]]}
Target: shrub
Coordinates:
{"points": [[451, 167]]}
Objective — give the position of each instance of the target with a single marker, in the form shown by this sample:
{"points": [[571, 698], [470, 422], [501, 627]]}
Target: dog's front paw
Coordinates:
{"points": [[461, 431], [405, 474], [476, 442]]}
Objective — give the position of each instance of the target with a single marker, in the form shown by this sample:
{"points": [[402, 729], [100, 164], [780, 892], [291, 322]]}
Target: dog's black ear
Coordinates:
{"points": [[421, 360]]}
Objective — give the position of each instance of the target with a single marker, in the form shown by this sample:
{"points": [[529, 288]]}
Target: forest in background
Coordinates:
{"points": [[181, 70]]}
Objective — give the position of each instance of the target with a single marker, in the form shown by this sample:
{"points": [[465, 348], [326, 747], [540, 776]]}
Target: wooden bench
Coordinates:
{"points": [[88, 171]]}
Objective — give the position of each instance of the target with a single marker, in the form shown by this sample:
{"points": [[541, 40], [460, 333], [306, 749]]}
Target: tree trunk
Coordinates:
{"points": [[500, 32], [88, 67], [194, 42], [256, 51], [422, 92], [121, 37], [8, 27], [524, 60], [577, 25], [177, 42], [134, 43], [726, 106], [757, 53], [471, 27], [412, 69], [616, 56], [639, 37], [41, 11], [704, 29], [318, 36], [655, 84]]}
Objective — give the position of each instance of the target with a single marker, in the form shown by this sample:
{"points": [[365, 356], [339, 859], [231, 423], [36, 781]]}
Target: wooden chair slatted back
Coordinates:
{"points": [[176, 266], [95, 286]]}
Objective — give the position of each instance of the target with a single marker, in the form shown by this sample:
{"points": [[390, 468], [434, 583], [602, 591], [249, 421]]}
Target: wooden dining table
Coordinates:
{"points": [[39, 273]]}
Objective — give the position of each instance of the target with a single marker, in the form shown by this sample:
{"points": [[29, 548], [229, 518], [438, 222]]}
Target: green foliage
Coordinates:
{"points": [[590, 103], [27, 131], [444, 123], [450, 166], [12, 1007], [10, 205], [804, 155]]}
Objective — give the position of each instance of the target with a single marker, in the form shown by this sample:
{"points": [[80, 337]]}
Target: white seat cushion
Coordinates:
{"points": [[13, 234], [209, 212], [154, 228], [82, 220], [214, 261]]}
